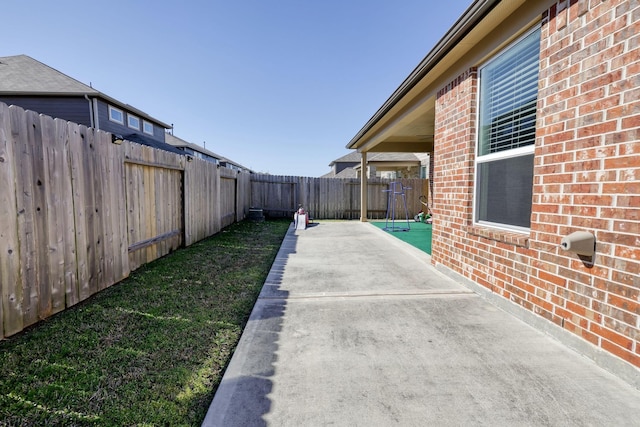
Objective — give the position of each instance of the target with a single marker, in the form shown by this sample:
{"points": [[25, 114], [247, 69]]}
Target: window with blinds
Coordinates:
{"points": [[508, 93]]}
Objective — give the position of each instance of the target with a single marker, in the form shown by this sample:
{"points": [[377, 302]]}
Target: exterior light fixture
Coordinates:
{"points": [[116, 139]]}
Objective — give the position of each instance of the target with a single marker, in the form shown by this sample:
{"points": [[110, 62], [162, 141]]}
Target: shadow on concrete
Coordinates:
{"points": [[375, 336], [243, 395]]}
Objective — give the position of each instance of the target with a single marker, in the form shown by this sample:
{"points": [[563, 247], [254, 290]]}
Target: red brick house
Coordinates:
{"points": [[532, 112]]}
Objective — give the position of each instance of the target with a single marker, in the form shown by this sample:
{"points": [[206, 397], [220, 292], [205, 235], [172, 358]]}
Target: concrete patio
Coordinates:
{"points": [[355, 328]]}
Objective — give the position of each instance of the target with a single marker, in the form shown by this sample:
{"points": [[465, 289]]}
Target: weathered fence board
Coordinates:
{"points": [[81, 191], [27, 236], [11, 294], [243, 195], [119, 205], [65, 200], [93, 209], [228, 198], [55, 194]]}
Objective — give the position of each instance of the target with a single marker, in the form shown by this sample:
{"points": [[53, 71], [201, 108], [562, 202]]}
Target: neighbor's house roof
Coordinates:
{"points": [[345, 173], [23, 75], [179, 142], [145, 140], [355, 157], [391, 159], [406, 120], [352, 157]]}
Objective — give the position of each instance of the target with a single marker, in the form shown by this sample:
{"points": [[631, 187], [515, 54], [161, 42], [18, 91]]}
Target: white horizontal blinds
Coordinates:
{"points": [[508, 95]]}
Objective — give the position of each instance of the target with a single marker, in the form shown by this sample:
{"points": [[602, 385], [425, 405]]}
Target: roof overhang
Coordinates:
{"points": [[406, 121], [129, 108], [390, 164]]}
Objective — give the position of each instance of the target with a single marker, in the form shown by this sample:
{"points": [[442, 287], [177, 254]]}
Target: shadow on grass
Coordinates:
{"points": [[150, 350], [242, 397]]}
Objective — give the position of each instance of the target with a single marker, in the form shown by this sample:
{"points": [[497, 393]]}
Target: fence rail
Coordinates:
{"points": [[79, 213]]}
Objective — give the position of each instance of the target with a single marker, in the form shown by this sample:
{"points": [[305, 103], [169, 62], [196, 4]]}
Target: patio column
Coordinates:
{"points": [[364, 192]]}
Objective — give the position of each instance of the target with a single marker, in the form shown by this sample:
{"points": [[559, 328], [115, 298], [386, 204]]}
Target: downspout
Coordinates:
{"points": [[90, 110], [96, 116]]}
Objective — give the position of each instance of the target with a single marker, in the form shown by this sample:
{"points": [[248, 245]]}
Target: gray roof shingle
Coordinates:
{"points": [[23, 74]]}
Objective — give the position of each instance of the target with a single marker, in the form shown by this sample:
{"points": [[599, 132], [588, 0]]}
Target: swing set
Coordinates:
{"points": [[397, 189]]}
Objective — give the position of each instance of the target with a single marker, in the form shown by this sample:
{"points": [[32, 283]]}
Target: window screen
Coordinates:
{"points": [[505, 191]]}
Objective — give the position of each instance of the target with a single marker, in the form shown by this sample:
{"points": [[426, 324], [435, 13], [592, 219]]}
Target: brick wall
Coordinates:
{"points": [[453, 166], [587, 177]]}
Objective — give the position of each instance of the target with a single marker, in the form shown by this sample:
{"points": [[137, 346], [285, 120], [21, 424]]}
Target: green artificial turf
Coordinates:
{"points": [[418, 235]]}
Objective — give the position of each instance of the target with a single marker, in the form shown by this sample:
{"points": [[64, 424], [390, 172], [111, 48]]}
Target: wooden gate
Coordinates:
{"points": [[155, 225]]}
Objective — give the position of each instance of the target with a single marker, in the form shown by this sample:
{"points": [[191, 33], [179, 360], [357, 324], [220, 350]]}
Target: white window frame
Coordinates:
{"points": [[136, 119], [500, 155], [147, 127], [113, 110]]}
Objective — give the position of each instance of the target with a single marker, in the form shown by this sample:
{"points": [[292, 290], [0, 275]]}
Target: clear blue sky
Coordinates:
{"points": [[279, 86]]}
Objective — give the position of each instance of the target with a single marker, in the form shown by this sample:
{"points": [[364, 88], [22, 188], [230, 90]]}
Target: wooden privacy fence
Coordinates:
{"points": [[79, 213], [334, 198], [216, 198]]}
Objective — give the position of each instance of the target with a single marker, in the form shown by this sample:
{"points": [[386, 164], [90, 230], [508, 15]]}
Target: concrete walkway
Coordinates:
{"points": [[355, 328]]}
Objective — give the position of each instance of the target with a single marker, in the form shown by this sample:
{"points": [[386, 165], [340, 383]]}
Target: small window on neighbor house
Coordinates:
{"points": [[147, 127], [508, 94], [423, 172], [133, 122], [116, 115]]}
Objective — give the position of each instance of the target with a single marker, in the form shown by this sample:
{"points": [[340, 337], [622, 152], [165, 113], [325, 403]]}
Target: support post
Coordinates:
{"points": [[364, 191]]}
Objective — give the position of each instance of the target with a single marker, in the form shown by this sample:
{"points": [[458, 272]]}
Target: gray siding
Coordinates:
{"points": [[73, 109], [113, 127], [158, 132], [344, 165], [76, 110]]}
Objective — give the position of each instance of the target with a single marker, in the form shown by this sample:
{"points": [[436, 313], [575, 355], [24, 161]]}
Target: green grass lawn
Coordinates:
{"points": [[150, 350], [418, 235]]}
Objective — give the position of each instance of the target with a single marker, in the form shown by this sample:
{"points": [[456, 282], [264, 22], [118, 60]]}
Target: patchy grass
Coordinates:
{"points": [[150, 350]]}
